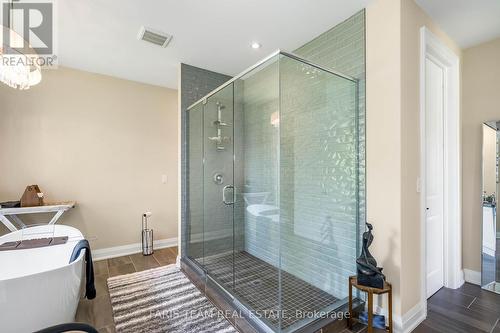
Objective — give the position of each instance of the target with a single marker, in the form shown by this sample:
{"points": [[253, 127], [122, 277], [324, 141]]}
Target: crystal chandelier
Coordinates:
{"points": [[19, 70]]}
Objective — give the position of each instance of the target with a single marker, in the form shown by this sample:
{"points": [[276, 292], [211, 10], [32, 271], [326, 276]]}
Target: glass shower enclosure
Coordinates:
{"points": [[272, 181]]}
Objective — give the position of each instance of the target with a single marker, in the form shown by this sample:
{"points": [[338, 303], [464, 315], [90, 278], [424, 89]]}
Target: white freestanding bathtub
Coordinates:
{"points": [[38, 287]]}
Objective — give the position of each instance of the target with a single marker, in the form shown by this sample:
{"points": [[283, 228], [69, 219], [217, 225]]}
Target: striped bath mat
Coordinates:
{"points": [[163, 300]]}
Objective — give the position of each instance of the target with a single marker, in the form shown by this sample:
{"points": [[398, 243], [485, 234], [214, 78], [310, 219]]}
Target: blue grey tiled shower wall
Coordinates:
{"points": [[195, 83]]}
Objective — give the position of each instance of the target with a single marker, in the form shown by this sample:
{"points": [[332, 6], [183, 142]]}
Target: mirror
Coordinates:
{"points": [[490, 254]]}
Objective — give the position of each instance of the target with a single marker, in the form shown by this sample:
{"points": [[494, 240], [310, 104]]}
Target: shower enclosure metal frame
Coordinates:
{"points": [[263, 61], [198, 269]]}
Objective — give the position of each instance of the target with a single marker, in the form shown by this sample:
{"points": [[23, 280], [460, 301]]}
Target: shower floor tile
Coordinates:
{"points": [[256, 283]]}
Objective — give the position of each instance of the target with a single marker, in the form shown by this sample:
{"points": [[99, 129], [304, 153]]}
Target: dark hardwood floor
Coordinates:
{"points": [[98, 312], [468, 309]]}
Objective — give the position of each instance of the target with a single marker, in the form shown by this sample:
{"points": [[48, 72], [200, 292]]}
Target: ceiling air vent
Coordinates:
{"points": [[153, 36]]}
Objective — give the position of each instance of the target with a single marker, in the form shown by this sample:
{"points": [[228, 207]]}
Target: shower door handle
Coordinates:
{"points": [[227, 187]]}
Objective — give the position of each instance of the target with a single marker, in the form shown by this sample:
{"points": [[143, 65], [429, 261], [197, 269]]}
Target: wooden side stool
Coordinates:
{"points": [[353, 282]]}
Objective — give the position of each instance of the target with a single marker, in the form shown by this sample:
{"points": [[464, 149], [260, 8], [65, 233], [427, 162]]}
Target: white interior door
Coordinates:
{"points": [[434, 165]]}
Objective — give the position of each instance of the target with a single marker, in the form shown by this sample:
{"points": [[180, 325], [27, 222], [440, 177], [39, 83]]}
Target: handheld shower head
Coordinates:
{"points": [[220, 106]]}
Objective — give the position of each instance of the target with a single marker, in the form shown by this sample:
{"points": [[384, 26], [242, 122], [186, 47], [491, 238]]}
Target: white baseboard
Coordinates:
{"points": [[462, 279], [178, 262], [411, 319], [123, 250], [407, 322], [473, 277]]}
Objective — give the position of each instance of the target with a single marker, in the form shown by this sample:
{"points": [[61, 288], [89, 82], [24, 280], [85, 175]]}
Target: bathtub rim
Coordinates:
{"points": [[48, 269]]}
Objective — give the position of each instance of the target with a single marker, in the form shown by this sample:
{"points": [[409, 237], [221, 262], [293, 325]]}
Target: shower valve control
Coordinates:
{"points": [[218, 178]]}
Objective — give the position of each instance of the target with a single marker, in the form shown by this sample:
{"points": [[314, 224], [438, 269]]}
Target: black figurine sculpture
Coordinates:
{"points": [[368, 273]]}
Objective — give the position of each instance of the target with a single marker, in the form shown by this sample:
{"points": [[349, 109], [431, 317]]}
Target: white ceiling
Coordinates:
{"points": [[468, 22], [101, 36]]}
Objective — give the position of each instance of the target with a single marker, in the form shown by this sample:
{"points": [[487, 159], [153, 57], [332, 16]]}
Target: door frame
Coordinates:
{"points": [[433, 48]]}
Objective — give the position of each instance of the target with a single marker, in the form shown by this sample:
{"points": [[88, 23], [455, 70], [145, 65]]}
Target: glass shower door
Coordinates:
{"points": [[218, 186]]}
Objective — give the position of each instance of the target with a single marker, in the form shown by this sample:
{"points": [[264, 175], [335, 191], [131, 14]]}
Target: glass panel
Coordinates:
{"points": [[194, 186], [318, 189], [257, 204], [218, 190], [285, 135]]}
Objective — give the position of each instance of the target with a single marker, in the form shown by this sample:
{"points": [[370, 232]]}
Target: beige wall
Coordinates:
{"points": [[481, 102], [393, 150], [383, 136], [101, 141]]}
